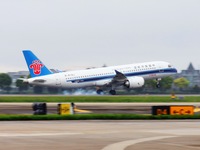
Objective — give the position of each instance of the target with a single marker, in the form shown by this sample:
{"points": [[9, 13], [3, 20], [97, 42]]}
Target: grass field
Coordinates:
{"points": [[95, 117], [99, 99]]}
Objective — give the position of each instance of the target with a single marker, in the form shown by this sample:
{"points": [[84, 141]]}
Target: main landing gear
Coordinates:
{"points": [[112, 92], [100, 92]]}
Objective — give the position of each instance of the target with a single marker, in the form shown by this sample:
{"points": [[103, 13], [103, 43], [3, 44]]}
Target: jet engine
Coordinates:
{"points": [[134, 82]]}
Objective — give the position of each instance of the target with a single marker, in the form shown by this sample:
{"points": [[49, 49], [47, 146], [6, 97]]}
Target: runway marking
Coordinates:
{"points": [[124, 144], [179, 132], [35, 134]]}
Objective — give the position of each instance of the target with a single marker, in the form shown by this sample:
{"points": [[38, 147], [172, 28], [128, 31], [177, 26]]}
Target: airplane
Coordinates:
{"points": [[128, 76]]}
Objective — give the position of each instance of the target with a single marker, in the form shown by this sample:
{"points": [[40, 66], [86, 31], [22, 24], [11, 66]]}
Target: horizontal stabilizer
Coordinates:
{"points": [[39, 80]]}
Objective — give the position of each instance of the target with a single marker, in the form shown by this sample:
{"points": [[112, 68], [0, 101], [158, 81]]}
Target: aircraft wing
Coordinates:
{"points": [[118, 79]]}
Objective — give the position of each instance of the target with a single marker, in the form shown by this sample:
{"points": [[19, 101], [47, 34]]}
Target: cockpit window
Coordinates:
{"points": [[169, 66]]}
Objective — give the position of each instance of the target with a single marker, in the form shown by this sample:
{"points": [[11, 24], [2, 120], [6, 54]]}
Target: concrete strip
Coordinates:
{"points": [[124, 144], [35, 134]]}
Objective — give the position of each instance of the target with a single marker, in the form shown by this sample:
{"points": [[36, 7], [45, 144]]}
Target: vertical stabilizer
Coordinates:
{"points": [[35, 66]]}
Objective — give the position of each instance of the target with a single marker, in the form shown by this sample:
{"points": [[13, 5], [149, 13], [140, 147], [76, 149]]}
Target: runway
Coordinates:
{"points": [[100, 135]]}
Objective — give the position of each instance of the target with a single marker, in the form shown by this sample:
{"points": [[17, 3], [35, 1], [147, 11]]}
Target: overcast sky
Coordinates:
{"points": [[73, 34]]}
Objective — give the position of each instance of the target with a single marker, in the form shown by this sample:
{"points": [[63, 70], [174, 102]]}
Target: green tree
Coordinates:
{"points": [[181, 83], [21, 85], [150, 84], [5, 81], [166, 83]]}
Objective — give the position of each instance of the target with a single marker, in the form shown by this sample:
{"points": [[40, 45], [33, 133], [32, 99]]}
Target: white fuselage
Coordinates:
{"points": [[102, 76]]}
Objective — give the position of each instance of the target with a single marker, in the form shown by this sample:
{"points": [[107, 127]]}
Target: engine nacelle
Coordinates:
{"points": [[134, 82]]}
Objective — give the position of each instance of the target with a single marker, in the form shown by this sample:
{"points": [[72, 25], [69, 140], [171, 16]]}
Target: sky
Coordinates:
{"points": [[76, 34]]}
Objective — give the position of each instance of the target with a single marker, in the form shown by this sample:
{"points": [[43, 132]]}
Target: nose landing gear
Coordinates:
{"points": [[158, 82]]}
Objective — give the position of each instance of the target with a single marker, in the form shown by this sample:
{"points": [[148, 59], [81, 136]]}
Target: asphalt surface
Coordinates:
{"points": [[100, 135]]}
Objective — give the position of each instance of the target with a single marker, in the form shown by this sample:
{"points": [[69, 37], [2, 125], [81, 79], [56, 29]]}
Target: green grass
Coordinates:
{"points": [[109, 99], [95, 117]]}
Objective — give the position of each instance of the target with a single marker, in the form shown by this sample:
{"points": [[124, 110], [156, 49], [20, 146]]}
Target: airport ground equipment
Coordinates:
{"points": [[39, 108]]}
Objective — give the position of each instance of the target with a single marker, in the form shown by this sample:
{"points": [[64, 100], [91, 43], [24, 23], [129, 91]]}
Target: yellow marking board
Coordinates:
{"points": [[65, 109], [181, 110]]}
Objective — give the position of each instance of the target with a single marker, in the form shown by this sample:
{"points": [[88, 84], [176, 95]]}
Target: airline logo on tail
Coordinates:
{"points": [[36, 66]]}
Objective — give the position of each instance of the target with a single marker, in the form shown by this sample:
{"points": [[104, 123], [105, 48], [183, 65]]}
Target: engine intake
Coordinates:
{"points": [[134, 82]]}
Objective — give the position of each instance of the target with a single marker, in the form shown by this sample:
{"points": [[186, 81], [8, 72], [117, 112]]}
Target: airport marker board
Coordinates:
{"points": [[65, 109], [173, 110], [181, 110]]}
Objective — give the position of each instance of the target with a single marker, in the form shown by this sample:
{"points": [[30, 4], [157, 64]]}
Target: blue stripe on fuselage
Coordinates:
{"points": [[158, 71]]}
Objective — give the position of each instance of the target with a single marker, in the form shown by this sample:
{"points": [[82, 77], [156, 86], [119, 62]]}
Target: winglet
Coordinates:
{"points": [[35, 66]]}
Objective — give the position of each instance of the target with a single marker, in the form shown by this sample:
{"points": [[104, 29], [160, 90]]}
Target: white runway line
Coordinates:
{"points": [[35, 134], [178, 132], [124, 144]]}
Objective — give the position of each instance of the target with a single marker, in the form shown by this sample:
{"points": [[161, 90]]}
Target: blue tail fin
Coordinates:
{"points": [[35, 66]]}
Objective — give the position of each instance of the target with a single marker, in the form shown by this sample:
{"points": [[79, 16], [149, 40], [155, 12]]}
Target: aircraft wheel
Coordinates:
{"points": [[158, 82], [112, 92], [100, 91], [158, 85]]}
